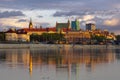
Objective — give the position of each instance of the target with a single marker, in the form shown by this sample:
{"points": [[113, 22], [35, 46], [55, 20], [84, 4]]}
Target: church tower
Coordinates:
{"points": [[69, 24], [30, 24]]}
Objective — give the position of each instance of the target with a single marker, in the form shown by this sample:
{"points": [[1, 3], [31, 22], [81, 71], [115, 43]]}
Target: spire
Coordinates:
{"points": [[30, 24], [68, 23]]}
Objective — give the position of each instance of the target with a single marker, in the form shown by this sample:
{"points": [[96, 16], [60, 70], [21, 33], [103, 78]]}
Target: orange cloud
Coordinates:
{"points": [[88, 17], [111, 22], [12, 22]]}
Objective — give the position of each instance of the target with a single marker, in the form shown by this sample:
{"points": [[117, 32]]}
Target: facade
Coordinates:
{"points": [[75, 25], [72, 35], [77, 37], [60, 26], [11, 35], [90, 26], [24, 34], [104, 33]]}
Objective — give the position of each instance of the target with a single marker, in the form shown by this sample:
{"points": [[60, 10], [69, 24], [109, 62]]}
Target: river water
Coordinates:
{"points": [[59, 64]]}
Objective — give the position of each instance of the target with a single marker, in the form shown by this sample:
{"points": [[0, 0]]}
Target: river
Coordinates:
{"points": [[59, 64]]}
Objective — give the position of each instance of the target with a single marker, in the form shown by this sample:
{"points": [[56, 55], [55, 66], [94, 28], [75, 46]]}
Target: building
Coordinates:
{"points": [[24, 33], [11, 35], [60, 26], [30, 24], [72, 35], [90, 26], [77, 37], [75, 25]]}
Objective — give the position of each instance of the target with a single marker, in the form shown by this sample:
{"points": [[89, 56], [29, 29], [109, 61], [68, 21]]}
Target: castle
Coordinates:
{"points": [[71, 31]]}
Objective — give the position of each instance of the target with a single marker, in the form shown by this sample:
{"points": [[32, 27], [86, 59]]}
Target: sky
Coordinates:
{"points": [[17, 13]]}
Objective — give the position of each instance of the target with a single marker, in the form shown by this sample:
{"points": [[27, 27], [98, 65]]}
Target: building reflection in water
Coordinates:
{"points": [[30, 65], [64, 59]]}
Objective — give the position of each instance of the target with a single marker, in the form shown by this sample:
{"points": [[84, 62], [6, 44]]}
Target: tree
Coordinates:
{"points": [[52, 37], [34, 37], [98, 38], [2, 36], [118, 37]]}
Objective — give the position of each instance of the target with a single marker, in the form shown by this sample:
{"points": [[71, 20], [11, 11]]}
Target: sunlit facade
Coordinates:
{"points": [[77, 36], [90, 26], [24, 33], [60, 26], [11, 35], [72, 35]]}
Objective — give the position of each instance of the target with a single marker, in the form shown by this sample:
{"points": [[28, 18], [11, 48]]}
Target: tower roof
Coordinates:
{"points": [[30, 24]]}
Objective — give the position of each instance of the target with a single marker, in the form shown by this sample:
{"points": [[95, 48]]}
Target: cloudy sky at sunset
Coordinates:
{"points": [[104, 13]]}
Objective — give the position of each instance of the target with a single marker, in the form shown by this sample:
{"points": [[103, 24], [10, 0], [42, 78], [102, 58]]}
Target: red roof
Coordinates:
{"points": [[66, 29], [39, 29], [11, 31], [26, 30]]}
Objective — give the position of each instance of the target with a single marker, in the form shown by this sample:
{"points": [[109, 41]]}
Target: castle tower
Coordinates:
{"points": [[69, 24], [75, 25], [30, 24], [90, 26]]}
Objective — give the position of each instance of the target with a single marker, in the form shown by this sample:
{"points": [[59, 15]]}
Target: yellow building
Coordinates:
{"points": [[64, 28], [77, 36], [11, 35], [24, 33]]}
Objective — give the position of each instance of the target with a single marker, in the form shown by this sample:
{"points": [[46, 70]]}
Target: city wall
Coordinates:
{"points": [[57, 46]]}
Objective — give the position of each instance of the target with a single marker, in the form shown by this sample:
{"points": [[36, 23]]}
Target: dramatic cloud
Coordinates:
{"points": [[105, 13], [22, 20], [7, 14], [88, 17], [98, 13], [67, 13], [12, 22], [112, 22], [58, 4]]}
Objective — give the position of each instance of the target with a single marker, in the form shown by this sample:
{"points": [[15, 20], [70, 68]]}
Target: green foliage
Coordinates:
{"points": [[52, 36], [2, 36], [118, 37], [46, 37], [99, 38], [34, 37]]}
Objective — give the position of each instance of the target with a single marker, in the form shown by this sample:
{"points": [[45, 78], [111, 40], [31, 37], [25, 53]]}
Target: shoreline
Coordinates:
{"points": [[56, 46]]}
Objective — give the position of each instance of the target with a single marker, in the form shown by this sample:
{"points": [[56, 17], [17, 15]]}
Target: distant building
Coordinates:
{"points": [[30, 24], [72, 34], [11, 35], [90, 26], [60, 26], [77, 37], [24, 33], [75, 25]]}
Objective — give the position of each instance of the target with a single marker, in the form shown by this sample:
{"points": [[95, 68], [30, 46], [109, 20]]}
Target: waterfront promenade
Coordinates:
{"points": [[56, 46]]}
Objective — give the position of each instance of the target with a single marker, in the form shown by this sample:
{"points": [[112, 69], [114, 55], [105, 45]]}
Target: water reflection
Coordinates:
{"points": [[59, 61]]}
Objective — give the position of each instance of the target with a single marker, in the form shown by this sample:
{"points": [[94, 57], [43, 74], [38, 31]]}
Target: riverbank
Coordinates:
{"points": [[16, 46]]}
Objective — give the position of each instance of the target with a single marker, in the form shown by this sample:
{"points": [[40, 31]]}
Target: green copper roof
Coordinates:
{"points": [[61, 25]]}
